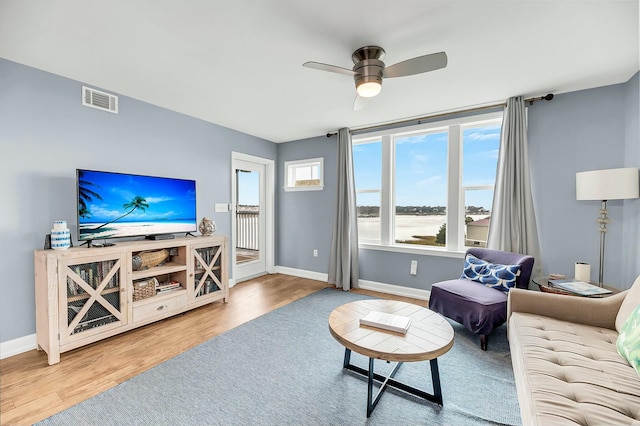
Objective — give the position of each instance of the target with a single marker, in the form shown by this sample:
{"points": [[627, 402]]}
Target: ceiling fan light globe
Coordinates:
{"points": [[369, 89]]}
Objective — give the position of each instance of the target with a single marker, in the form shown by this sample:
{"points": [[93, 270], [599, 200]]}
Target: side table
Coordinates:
{"points": [[543, 285]]}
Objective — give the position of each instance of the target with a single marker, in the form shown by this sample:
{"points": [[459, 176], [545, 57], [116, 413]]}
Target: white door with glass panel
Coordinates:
{"points": [[252, 214]]}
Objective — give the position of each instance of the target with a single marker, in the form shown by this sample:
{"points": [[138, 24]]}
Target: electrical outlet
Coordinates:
{"points": [[414, 267], [315, 253]]}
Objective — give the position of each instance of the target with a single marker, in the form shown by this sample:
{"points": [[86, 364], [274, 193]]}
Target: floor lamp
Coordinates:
{"points": [[604, 185]]}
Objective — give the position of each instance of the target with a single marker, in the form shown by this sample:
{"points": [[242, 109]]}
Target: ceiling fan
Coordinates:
{"points": [[368, 70]]}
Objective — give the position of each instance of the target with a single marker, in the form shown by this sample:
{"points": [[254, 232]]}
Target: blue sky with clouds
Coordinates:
{"points": [[421, 167]]}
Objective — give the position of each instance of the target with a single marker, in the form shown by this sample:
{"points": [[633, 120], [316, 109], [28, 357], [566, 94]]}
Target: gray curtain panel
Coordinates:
{"points": [[343, 263], [513, 220]]}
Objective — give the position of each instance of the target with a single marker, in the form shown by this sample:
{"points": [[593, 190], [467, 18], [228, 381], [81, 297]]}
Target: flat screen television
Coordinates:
{"points": [[117, 205]]}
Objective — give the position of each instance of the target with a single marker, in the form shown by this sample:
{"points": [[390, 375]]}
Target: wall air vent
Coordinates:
{"points": [[101, 100]]}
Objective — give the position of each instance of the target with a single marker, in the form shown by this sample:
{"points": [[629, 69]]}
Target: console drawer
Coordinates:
{"points": [[159, 307]]}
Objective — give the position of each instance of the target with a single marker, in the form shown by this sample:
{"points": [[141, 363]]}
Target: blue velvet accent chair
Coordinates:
{"points": [[478, 307]]}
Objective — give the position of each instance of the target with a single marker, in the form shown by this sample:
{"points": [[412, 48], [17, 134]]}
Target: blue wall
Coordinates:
{"points": [[46, 134], [585, 130], [305, 218], [575, 132]]}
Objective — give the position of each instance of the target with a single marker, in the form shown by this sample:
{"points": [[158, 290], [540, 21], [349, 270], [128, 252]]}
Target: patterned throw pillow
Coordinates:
{"points": [[500, 277], [628, 342]]}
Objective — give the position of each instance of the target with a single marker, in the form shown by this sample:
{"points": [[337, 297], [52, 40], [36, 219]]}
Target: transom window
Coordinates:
{"points": [[428, 186], [304, 175]]}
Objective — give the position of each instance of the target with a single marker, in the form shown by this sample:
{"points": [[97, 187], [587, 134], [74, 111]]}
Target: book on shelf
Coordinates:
{"points": [[386, 321], [579, 287], [168, 286]]}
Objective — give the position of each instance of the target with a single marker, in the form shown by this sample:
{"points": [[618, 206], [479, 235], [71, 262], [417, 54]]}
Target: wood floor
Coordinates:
{"points": [[32, 390]]}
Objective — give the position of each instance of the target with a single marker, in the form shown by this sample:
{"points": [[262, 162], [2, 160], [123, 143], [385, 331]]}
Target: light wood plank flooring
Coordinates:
{"points": [[31, 390]]}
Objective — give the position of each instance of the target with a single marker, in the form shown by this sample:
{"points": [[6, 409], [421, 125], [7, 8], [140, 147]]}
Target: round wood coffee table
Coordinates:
{"points": [[429, 336]]}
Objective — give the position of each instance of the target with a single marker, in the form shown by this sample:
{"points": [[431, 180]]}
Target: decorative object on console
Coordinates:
{"points": [[47, 242], [60, 235], [605, 185], [207, 226], [150, 259]]}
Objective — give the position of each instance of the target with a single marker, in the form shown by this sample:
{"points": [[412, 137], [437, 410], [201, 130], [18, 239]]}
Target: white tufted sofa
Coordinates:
{"points": [[566, 366]]}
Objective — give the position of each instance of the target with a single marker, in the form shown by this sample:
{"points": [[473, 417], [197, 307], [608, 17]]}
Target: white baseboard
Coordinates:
{"points": [[27, 343], [17, 346], [318, 276], [397, 290]]}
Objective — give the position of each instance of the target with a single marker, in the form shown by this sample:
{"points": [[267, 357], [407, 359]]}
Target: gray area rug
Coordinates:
{"points": [[285, 368]]}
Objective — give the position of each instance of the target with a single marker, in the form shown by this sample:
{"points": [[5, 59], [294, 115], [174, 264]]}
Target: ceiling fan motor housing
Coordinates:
{"points": [[368, 71], [368, 67], [368, 52]]}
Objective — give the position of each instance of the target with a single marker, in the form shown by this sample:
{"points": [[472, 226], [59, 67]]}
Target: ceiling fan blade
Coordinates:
{"points": [[360, 102], [327, 67], [417, 65]]}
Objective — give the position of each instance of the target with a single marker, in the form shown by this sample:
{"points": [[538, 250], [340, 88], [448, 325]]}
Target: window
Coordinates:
{"points": [[481, 144], [428, 186], [304, 175], [368, 155]]}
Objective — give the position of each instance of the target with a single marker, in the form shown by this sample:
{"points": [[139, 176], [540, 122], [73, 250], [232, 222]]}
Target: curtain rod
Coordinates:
{"points": [[547, 97]]}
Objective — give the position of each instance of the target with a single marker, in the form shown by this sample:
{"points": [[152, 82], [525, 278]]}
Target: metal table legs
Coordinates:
{"points": [[390, 381]]}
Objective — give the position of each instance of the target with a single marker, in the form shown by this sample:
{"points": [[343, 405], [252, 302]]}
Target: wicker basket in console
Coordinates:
{"points": [[143, 289]]}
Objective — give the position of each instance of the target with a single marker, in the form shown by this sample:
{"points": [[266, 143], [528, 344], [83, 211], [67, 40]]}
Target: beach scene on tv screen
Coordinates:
{"points": [[114, 205]]}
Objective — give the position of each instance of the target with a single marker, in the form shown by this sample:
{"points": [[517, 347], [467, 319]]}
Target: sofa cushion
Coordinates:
{"points": [[631, 300], [569, 373], [500, 277], [629, 340]]}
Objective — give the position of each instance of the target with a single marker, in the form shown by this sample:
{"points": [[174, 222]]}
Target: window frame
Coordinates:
{"points": [[456, 213], [289, 174]]}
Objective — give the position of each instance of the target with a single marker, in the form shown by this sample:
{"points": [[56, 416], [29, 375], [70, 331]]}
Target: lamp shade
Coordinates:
{"points": [[608, 184]]}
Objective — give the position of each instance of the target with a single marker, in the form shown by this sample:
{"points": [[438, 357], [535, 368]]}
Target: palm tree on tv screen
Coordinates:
{"points": [[85, 195], [138, 203]]}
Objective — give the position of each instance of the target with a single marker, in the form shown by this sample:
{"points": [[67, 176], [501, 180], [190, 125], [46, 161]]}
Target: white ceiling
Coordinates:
{"points": [[238, 63]]}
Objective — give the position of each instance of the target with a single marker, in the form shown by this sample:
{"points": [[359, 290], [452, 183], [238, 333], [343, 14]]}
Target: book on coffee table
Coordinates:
{"points": [[579, 287], [385, 321]]}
